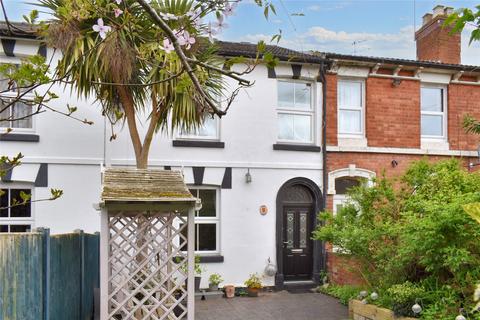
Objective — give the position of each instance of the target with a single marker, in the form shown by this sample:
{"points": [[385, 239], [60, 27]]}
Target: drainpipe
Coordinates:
{"points": [[323, 71]]}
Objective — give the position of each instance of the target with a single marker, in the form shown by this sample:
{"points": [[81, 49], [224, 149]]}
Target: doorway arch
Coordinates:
{"points": [[297, 199]]}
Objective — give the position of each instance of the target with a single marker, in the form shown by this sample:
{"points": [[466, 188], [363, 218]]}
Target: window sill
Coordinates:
{"points": [[198, 144], [434, 144], [296, 147], [19, 137], [211, 259], [351, 141]]}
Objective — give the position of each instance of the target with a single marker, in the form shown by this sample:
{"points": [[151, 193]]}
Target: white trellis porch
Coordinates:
{"points": [[147, 219]]}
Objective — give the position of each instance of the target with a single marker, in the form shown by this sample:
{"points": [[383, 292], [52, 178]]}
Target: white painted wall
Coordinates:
{"points": [[74, 152]]}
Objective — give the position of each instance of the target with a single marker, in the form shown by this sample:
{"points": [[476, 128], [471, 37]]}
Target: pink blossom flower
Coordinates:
{"points": [[220, 24], [168, 45], [101, 28], [117, 12], [229, 9], [118, 1], [211, 31], [188, 40]]}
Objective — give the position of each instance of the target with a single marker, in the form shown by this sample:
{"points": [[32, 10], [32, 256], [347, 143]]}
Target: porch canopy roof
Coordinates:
{"points": [[149, 189]]}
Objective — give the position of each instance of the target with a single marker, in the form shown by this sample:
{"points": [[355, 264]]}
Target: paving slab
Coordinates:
{"points": [[272, 306]]}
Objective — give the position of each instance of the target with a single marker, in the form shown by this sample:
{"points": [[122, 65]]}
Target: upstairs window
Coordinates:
{"points": [[296, 113], [433, 119], [19, 113], [209, 130], [14, 217], [350, 107]]}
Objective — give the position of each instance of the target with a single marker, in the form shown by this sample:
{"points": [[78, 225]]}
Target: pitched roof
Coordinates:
{"points": [[245, 49], [135, 185], [17, 30], [397, 61]]}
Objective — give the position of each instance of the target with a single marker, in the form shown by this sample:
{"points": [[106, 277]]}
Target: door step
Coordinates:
{"points": [[299, 286]]}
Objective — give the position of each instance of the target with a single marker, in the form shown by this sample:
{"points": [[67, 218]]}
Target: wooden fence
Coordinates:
{"points": [[48, 277]]}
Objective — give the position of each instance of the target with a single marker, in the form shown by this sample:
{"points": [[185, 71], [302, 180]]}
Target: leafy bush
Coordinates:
{"points": [[403, 297], [413, 228], [343, 293]]}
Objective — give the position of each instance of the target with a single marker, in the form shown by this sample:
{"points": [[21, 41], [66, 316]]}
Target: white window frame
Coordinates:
{"points": [[21, 220], [291, 111], [209, 220], [195, 136], [29, 96], [354, 135], [444, 113]]}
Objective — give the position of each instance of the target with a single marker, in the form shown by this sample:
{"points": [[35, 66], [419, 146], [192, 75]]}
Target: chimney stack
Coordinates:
{"points": [[434, 41]]}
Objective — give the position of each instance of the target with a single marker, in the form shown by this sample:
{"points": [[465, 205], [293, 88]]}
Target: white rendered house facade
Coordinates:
{"points": [[258, 170]]}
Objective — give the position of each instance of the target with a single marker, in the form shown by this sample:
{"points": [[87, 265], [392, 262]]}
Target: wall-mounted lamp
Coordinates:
{"points": [[248, 176], [394, 163], [396, 82]]}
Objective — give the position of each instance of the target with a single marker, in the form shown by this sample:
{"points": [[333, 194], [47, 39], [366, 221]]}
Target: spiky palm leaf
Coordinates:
{"points": [[132, 56], [471, 125]]}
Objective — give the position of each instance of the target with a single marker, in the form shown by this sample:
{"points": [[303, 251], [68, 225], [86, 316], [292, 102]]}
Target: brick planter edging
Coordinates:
{"points": [[359, 311]]}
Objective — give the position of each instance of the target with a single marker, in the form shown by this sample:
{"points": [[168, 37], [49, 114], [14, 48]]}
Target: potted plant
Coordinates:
{"points": [[214, 280], [254, 285], [198, 273]]}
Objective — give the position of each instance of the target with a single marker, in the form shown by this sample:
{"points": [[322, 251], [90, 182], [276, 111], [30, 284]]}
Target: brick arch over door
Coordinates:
{"points": [[292, 191]]}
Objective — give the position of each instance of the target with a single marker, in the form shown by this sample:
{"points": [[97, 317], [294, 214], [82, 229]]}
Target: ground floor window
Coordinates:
{"points": [[15, 217], [207, 221]]}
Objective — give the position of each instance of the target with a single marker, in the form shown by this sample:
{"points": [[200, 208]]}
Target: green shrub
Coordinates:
{"points": [[343, 293], [403, 297], [414, 229]]}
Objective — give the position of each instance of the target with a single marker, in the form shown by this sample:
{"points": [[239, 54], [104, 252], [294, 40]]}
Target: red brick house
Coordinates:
{"points": [[384, 113]]}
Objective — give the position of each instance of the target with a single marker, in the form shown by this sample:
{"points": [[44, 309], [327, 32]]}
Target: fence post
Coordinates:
{"points": [[81, 239], [46, 271]]}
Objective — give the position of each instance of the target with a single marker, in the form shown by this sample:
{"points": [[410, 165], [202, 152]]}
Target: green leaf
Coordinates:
{"points": [[473, 209]]}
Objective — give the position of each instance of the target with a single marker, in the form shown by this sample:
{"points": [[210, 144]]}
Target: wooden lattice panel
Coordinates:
{"points": [[147, 267]]}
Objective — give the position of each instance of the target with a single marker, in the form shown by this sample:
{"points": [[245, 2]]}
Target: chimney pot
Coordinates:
{"points": [[427, 17], [448, 10], [438, 10]]}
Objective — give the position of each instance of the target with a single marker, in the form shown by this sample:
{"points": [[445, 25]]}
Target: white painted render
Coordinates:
{"points": [[75, 151]]}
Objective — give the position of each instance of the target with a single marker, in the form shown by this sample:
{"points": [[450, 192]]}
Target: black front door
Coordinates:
{"points": [[297, 243]]}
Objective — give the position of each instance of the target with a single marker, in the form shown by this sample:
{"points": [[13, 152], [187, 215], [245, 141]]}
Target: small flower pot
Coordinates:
{"points": [[229, 291], [212, 287], [253, 292]]}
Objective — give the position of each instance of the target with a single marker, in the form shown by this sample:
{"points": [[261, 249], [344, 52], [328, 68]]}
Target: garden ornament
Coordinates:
{"points": [[416, 308], [270, 269]]}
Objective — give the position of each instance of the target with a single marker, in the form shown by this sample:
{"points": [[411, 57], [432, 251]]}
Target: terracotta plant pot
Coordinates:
{"points": [[229, 290], [253, 292]]}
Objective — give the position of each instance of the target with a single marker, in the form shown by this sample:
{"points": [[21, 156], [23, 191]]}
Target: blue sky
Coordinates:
{"points": [[379, 28]]}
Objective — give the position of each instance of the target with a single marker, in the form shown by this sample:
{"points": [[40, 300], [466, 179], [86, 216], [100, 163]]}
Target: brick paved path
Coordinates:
{"points": [[272, 306]]}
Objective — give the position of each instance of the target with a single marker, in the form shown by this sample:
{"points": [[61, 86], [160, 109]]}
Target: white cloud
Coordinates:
{"points": [[326, 7], [395, 45]]}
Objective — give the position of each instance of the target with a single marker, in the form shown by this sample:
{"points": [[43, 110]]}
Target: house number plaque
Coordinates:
{"points": [[263, 210]]}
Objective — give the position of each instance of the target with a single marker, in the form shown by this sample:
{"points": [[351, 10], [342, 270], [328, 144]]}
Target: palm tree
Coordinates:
{"points": [[471, 125], [112, 50]]}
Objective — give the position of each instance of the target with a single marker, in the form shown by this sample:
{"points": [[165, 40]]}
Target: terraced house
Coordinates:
{"points": [[259, 171]]}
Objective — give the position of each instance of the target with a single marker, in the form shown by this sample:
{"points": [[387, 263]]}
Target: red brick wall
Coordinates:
{"points": [[392, 113], [435, 43], [331, 109], [462, 100], [342, 270]]}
